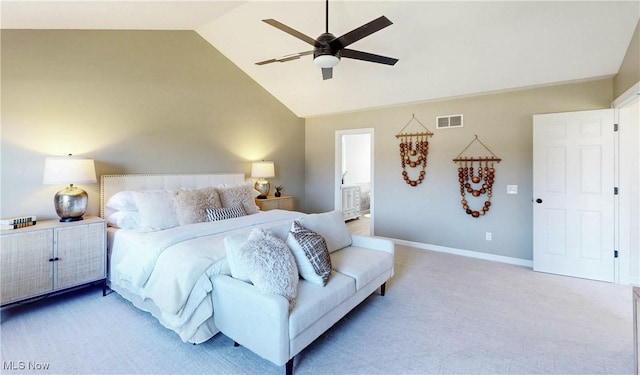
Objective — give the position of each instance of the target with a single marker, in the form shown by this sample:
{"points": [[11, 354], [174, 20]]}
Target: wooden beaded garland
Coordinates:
{"points": [[414, 148], [486, 176], [476, 182], [413, 153]]}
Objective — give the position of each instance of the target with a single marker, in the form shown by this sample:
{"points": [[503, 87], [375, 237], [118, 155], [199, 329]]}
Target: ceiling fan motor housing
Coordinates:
{"points": [[322, 46]]}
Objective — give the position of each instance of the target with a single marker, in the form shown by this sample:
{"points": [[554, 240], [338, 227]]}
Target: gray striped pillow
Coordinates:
{"points": [[215, 214]]}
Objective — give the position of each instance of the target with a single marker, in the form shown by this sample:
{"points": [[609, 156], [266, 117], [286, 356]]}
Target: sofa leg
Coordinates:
{"points": [[383, 288], [236, 344], [288, 368]]}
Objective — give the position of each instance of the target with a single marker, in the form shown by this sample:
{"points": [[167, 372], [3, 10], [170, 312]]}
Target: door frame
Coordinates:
{"points": [[627, 265], [625, 272], [337, 180]]}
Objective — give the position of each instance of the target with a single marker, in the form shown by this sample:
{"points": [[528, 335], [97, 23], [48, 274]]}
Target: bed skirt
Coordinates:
{"points": [[204, 332]]}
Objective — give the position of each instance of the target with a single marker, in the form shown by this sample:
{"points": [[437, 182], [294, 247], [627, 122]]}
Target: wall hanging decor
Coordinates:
{"points": [[413, 152], [476, 176]]}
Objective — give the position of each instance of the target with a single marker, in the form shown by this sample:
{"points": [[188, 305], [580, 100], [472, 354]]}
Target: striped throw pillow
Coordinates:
{"points": [[215, 214]]}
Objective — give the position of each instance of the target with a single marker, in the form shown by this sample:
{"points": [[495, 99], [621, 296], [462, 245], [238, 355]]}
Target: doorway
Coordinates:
{"points": [[620, 255], [353, 182]]}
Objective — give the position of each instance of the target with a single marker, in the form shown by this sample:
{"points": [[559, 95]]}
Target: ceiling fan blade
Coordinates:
{"points": [[266, 62], [293, 56], [290, 31], [359, 33], [327, 73], [365, 56]]}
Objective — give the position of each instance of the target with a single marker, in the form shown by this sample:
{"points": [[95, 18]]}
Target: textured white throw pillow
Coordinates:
{"points": [[269, 264], [311, 254], [156, 209], [191, 205], [241, 194], [331, 226]]}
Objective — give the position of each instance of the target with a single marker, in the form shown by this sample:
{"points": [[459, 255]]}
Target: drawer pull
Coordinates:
{"points": [[54, 259]]}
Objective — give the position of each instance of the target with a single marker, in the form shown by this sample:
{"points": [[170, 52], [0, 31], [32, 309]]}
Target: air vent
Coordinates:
{"points": [[446, 122]]}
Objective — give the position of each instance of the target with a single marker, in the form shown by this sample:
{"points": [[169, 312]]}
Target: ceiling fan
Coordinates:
{"points": [[328, 49]]}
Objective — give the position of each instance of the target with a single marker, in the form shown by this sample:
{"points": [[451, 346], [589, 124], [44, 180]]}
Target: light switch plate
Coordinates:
{"points": [[512, 189]]}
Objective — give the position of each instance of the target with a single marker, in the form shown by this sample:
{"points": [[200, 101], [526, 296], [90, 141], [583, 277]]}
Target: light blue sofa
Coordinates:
{"points": [[262, 322]]}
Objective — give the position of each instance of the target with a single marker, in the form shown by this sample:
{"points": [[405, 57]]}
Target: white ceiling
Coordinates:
{"points": [[445, 49]]}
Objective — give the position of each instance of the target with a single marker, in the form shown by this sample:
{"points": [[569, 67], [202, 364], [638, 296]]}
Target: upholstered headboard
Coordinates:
{"points": [[111, 184]]}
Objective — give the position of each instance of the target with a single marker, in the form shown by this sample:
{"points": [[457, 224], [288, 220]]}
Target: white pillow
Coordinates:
{"points": [[281, 230], [232, 245], [156, 209], [124, 219], [311, 254], [331, 226], [122, 201]]}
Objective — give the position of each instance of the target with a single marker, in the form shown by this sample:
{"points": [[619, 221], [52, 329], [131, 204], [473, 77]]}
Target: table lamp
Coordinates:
{"points": [[70, 202], [262, 170]]}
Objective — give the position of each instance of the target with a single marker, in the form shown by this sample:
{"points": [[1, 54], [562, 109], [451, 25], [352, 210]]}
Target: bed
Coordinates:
{"points": [[166, 240]]}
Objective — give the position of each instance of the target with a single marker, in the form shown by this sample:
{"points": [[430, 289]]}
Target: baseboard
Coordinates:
{"points": [[466, 253]]}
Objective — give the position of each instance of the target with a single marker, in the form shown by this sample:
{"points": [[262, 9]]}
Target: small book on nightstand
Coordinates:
{"points": [[17, 222]]}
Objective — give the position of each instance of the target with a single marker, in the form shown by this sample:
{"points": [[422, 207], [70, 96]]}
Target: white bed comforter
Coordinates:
{"points": [[173, 267]]}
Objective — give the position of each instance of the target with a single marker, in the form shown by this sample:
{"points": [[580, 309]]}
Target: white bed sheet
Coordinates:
{"points": [[172, 268]]}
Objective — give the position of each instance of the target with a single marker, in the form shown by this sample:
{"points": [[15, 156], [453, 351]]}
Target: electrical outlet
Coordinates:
{"points": [[487, 236]]}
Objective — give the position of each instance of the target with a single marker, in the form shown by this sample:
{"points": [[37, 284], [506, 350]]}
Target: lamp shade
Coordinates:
{"points": [[262, 169], [68, 170]]}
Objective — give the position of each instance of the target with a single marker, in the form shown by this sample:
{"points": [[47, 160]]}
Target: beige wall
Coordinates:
{"points": [[166, 102], [136, 102], [431, 213], [629, 73]]}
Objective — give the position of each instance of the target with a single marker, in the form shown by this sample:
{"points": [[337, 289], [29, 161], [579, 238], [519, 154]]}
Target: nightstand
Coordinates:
{"points": [[351, 202], [50, 257], [271, 202]]}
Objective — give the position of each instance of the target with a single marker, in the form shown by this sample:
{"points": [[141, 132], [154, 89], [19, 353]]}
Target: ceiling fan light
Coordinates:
{"points": [[326, 61]]}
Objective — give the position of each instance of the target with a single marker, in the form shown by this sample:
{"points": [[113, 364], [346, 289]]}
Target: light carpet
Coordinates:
{"points": [[442, 314]]}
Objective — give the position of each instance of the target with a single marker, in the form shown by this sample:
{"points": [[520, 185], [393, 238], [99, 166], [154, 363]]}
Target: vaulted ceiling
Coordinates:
{"points": [[445, 49]]}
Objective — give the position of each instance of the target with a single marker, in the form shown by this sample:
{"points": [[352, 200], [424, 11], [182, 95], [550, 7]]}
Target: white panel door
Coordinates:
{"points": [[573, 201]]}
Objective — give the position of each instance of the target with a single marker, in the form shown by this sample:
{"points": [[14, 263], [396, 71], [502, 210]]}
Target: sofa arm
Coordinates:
{"points": [[374, 243], [256, 320]]}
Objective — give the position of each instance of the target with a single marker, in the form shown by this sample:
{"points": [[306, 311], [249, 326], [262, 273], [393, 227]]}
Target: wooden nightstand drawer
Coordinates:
{"points": [[273, 203]]}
